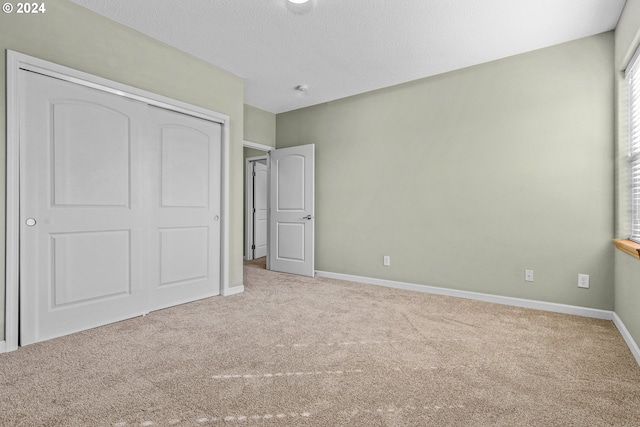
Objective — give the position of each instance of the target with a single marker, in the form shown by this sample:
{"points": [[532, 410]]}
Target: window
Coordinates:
{"points": [[633, 79]]}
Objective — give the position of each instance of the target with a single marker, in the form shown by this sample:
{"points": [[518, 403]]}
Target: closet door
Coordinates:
{"points": [[82, 224], [120, 208], [184, 157]]}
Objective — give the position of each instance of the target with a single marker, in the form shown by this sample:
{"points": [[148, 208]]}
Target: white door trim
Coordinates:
{"points": [[257, 146], [248, 205], [18, 61]]}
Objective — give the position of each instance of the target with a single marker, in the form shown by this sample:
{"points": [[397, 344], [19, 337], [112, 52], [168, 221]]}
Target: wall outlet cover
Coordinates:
{"points": [[583, 281], [528, 275]]}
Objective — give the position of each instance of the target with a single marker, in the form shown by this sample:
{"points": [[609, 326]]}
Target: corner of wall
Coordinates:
{"points": [[259, 126]]}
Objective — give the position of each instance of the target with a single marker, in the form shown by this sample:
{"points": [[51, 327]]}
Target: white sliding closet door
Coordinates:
{"points": [[119, 208], [81, 208], [184, 187]]}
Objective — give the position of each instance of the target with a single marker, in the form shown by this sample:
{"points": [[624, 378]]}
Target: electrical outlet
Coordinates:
{"points": [[583, 281], [386, 260], [528, 275]]}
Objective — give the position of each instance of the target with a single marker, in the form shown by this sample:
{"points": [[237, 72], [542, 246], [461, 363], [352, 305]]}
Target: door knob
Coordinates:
{"points": [[30, 222], [307, 217]]}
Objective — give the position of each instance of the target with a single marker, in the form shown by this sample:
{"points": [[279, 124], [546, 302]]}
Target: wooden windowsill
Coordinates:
{"points": [[628, 246]]}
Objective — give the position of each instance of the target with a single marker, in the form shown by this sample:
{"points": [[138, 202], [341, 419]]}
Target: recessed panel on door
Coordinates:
{"points": [[184, 255], [90, 154], [290, 188], [290, 238], [90, 266], [185, 167]]}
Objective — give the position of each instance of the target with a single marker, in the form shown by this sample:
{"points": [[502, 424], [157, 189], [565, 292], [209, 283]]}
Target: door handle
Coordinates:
{"points": [[307, 217]]}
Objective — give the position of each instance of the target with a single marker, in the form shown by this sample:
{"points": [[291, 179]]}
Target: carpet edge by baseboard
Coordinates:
{"points": [[478, 296], [626, 335], [498, 299]]}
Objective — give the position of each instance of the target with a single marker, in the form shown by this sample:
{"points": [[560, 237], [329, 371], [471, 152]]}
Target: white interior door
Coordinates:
{"points": [[184, 155], [119, 208], [80, 238], [291, 203], [260, 209]]}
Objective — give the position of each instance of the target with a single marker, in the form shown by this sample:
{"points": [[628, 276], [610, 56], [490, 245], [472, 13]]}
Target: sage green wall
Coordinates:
{"points": [[468, 178], [70, 35], [627, 268], [259, 126]]}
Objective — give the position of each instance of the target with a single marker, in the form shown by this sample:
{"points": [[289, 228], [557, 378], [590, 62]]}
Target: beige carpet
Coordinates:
{"points": [[295, 351]]}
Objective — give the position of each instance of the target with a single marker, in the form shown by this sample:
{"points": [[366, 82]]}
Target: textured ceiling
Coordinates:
{"points": [[345, 47]]}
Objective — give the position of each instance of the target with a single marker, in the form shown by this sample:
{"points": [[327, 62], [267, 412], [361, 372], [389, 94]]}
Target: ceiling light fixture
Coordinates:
{"points": [[299, 7]]}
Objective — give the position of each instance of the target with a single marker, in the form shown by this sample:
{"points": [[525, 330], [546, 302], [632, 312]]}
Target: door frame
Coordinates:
{"points": [[266, 149], [248, 205], [257, 146], [17, 61]]}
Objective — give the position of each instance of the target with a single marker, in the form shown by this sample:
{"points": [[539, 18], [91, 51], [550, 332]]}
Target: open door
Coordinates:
{"points": [[260, 206], [291, 210]]}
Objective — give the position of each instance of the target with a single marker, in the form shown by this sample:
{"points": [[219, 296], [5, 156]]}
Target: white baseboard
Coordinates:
{"points": [[633, 346], [3, 346], [517, 302], [233, 291]]}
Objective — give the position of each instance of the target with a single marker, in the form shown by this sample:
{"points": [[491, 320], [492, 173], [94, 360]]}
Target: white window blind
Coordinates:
{"points": [[632, 76]]}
